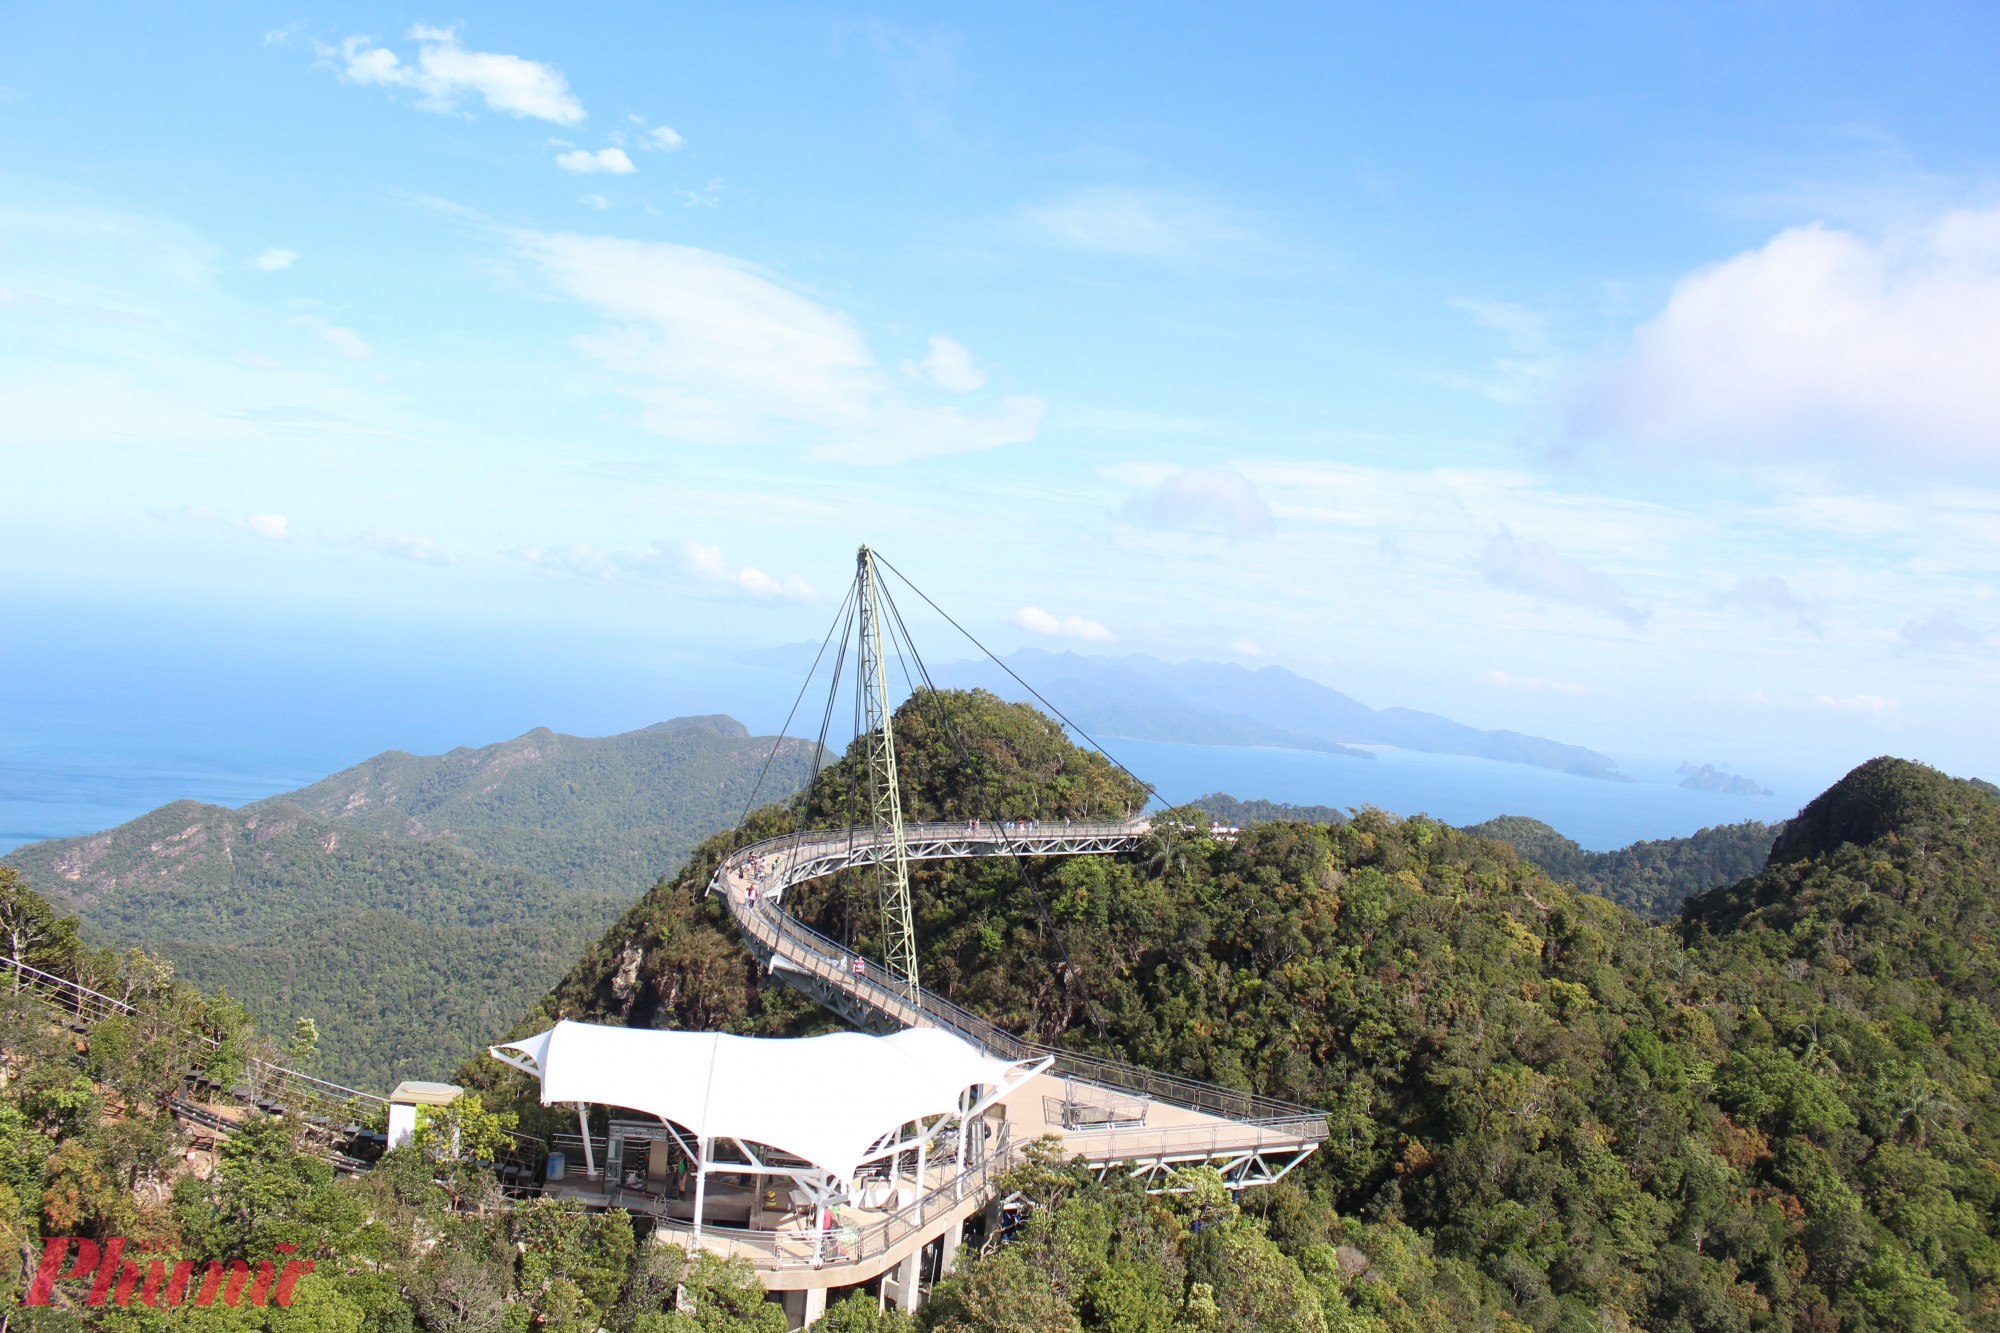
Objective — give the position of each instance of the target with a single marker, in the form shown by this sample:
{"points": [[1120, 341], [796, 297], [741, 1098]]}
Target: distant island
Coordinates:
{"points": [[1710, 778], [1226, 809], [1142, 698]]}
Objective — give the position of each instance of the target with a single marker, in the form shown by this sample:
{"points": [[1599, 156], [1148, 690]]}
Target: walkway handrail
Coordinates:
{"points": [[925, 1213], [95, 1007], [809, 853]]}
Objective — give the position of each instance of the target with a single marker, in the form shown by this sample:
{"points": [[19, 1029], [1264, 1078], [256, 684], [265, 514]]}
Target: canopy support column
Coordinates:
{"points": [[958, 1172], [700, 1188], [583, 1128]]}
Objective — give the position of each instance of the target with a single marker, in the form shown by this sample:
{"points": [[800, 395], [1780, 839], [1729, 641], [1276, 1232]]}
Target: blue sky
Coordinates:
{"points": [[1625, 374]]}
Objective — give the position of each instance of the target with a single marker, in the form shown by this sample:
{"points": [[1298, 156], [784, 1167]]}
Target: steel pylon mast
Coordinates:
{"points": [[885, 799]]}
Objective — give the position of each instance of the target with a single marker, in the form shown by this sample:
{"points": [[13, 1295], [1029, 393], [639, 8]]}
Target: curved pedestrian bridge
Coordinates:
{"points": [[1117, 1116]]}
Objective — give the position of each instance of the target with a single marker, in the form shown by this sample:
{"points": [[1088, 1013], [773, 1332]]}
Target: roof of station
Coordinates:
{"points": [[827, 1099]]}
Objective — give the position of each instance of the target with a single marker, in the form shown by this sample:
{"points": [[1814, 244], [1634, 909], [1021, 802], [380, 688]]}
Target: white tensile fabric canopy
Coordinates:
{"points": [[824, 1099]]}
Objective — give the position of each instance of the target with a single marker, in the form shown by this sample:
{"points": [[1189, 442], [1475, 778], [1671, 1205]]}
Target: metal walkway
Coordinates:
{"points": [[1115, 1114], [326, 1109]]}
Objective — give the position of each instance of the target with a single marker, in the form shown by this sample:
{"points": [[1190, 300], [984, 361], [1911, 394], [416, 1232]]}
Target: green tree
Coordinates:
{"points": [[30, 929]]}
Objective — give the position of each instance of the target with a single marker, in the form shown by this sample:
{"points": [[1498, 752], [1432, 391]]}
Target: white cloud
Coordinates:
{"points": [[580, 561], [1247, 648], [258, 361], [1510, 682], [709, 196], [681, 563], [926, 72], [1875, 705], [1068, 627], [406, 546], [445, 72], [1203, 499], [949, 366], [271, 527], [1819, 342], [1531, 362], [1771, 599], [274, 259], [603, 162], [346, 342], [708, 561], [720, 351], [596, 201], [663, 138], [1137, 223], [1536, 568], [1942, 630], [286, 414], [1121, 420], [341, 341]]}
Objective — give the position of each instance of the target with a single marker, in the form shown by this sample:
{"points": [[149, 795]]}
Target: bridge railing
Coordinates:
{"points": [[837, 964], [265, 1085], [1027, 837], [841, 1245]]}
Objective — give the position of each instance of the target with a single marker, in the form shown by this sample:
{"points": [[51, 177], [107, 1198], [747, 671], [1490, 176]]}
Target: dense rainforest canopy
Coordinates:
{"points": [[1775, 1111], [1652, 877], [413, 905]]}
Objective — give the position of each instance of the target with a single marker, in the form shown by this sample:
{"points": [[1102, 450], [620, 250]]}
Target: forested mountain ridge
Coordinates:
{"points": [[1226, 809], [194, 871], [382, 901], [590, 812], [393, 998], [1546, 1111], [674, 958], [405, 953], [1651, 877]]}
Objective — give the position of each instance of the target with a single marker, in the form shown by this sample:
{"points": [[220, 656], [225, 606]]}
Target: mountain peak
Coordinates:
{"points": [[1883, 796], [720, 723]]}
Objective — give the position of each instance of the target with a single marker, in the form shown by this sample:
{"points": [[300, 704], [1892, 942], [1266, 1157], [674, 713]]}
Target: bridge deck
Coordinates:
{"points": [[790, 1253], [1117, 1116]]}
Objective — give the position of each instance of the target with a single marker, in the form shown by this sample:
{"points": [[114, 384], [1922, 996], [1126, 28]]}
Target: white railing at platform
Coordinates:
{"points": [[838, 1246]]}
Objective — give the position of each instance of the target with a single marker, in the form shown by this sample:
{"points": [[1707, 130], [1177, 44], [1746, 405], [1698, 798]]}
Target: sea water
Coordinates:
{"points": [[54, 791], [94, 735], [1462, 790]]}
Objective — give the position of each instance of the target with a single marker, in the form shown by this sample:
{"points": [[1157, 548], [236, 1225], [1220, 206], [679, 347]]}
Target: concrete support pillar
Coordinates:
{"points": [[954, 1236], [702, 1147], [583, 1128], [803, 1309], [907, 1274]]}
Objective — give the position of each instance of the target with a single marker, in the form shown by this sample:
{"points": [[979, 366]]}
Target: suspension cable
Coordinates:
{"points": [[900, 637], [1017, 679], [783, 731], [949, 726]]}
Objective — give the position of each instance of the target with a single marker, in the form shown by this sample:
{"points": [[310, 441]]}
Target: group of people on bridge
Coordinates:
{"points": [[1014, 825]]}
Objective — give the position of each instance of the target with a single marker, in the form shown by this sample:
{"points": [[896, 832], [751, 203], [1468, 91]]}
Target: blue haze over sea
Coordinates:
{"points": [[95, 734]]}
